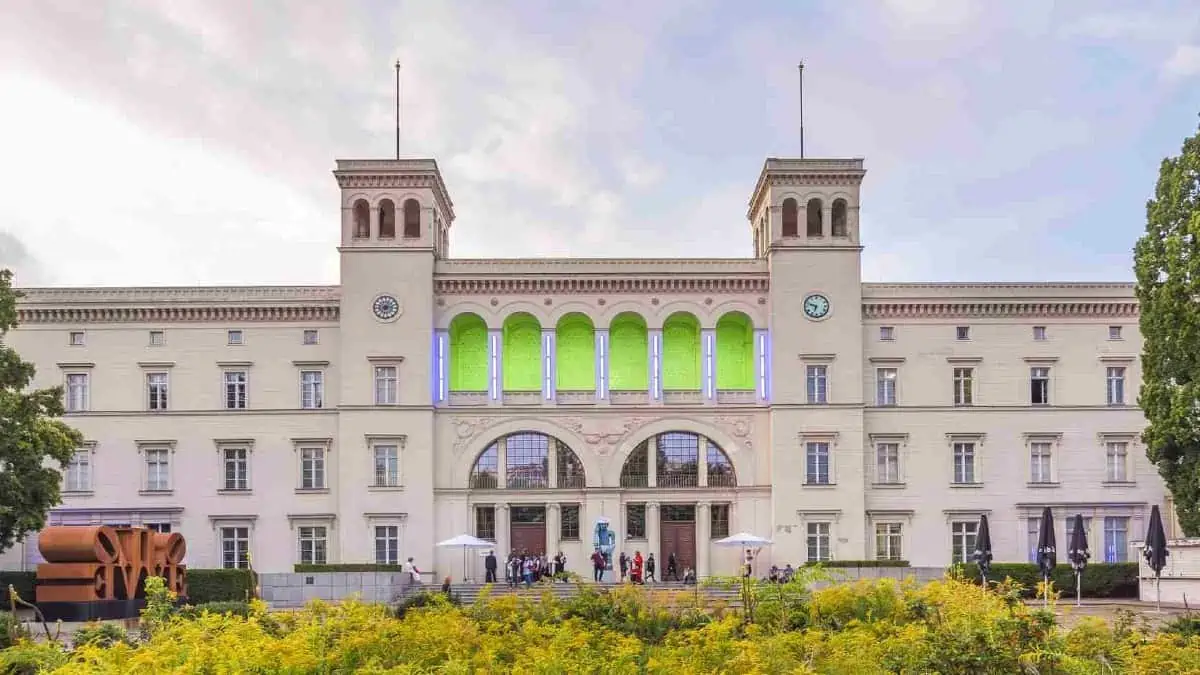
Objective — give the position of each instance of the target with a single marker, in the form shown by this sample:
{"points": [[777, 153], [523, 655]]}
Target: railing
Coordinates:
{"points": [[635, 480], [574, 481], [575, 397], [468, 398], [528, 482], [634, 397], [735, 396], [682, 397], [721, 479], [678, 480], [484, 481], [522, 397]]}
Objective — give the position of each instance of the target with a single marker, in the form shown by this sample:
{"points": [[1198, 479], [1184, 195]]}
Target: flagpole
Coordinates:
{"points": [[397, 109], [801, 67]]}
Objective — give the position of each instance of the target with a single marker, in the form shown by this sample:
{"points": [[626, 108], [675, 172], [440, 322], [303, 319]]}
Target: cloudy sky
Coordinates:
{"points": [[191, 141]]}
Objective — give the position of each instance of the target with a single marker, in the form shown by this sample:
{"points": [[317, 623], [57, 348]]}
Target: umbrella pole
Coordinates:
{"points": [[1157, 592], [1045, 591], [1078, 602]]}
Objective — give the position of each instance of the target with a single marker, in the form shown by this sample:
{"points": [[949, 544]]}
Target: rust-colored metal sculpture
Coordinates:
{"points": [[105, 568]]}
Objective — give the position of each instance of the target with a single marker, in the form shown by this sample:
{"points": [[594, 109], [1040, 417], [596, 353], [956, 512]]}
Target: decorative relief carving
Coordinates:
{"points": [[569, 286], [740, 427], [999, 309], [603, 435], [467, 428]]}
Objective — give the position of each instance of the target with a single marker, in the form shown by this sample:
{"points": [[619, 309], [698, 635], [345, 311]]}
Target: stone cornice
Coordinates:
{"points": [[395, 173], [997, 310], [242, 304], [804, 172], [600, 285]]}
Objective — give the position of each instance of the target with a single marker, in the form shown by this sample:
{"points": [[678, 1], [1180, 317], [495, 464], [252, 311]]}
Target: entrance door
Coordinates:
{"points": [[528, 529], [678, 533]]}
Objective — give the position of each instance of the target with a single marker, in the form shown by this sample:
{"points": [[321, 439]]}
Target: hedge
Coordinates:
{"points": [[21, 581], [858, 563], [217, 585], [349, 567], [1100, 580]]}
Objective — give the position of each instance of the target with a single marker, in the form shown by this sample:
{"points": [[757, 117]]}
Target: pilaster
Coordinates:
{"points": [[703, 538], [553, 529], [654, 534], [503, 534]]}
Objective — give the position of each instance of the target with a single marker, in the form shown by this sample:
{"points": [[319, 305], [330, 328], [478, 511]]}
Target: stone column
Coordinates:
{"points": [[503, 534], [703, 537], [502, 463], [654, 535], [495, 365], [652, 462], [552, 465], [702, 462], [553, 528]]}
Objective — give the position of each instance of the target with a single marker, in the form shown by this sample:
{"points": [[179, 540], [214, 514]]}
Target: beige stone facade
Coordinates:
{"points": [[343, 424]]}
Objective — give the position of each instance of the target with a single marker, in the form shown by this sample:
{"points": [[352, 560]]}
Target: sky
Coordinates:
{"points": [[191, 142]]}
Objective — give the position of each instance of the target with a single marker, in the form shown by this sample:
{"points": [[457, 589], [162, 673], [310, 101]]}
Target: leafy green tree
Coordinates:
{"points": [[30, 434], [1167, 264]]}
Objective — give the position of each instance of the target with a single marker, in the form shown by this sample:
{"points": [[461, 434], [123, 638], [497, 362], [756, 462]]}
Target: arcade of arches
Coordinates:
{"points": [[529, 493], [576, 358]]}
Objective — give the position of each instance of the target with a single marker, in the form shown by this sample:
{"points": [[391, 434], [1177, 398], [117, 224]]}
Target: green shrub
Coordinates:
{"points": [[1186, 626], [234, 607], [859, 563], [1100, 580], [217, 586], [423, 599], [100, 634], [355, 567], [31, 658], [21, 581], [11, 629]]}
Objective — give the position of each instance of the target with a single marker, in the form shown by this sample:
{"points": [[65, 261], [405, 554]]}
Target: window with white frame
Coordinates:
{"points": [[77, 477], [887, 333], [236, 463], [1115, 378], [962, 540], [314, 544], [1039, 385], [1116, 461], [387, 544], [1041, 462], [312, 468], [887, 462], [158, 469], [818, 383], [310, 336], [817, 463], [818, 542], [885, 386], [157, 338], [385, 385], [77, 392], [236, 382], [75, 338], [1116, 539], [1033, 531], [1039, 333], [156, 390], [387, 465], [161, 528], [964, 386], [965, 463], [235, 337], [235, 547], [312, 389], [889, 538]]}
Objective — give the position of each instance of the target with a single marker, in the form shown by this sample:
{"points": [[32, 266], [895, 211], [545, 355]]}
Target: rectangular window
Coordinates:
{"points": [[962, 333], [1033, 527], [1040, 462], [816, 464], [1116, 539], [818, 384], [235, 337], [385, 385], [237, 468], [312, 389], [312, 468], [387, 544], [568, 528], [387, 466], [235, 389], [78, 476], [161, 528], [962, 540], [888, 539], [1039, 333], [887, 333], [1114, 332], [885, 386], [818, 542], [156, 389], [635, 521], [1116, 385], [485, 522], [1117, 462], [718, 521], [964, 463], [158, 469], [313, 545], [310, 336], [1039, 385], [77, 392], [887, 463], [157, 338], [75, 338], [964, 386], [235, 547]]}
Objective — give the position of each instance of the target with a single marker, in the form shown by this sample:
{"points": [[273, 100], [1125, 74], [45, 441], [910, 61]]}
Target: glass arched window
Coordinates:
{"points": [[387, 219], [814, 214], [839, 218], [677, 456], [412, 218], [362, 219], [526, 460]]}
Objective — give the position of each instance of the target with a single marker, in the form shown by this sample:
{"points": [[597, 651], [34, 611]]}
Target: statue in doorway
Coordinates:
{"points": [[604, 539]]}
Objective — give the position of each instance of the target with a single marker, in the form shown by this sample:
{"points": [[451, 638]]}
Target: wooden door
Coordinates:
{"points": [[680, 539], [529, 538]]}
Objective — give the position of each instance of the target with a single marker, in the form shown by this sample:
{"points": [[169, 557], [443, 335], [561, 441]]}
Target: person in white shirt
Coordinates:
{"points": [[414, 574]]}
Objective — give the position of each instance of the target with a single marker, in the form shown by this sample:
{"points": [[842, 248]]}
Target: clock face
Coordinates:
{"points": [[386, 307], [816, 306]]}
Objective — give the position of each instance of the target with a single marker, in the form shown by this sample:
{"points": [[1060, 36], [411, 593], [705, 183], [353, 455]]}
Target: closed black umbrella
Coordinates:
{"points": [[983, 549], [1078, 553], [1047, 551], [1155, 550]]}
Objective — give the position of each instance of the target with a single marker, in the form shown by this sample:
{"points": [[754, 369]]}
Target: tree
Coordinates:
{"points": [[1167, 265], [30, 434]]}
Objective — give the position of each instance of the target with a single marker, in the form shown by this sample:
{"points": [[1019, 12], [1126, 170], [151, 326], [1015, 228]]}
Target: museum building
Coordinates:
{"points": [[525, 401]]}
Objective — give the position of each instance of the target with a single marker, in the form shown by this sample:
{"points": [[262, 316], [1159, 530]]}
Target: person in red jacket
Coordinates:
{"points": [[635, 574]]}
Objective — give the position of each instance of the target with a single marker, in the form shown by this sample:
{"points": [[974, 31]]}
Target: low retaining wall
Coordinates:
{"points": [[1180, 582], [296, 589]]}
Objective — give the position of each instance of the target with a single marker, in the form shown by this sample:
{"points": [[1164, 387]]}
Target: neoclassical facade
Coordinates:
{"points": [[525, 401]]}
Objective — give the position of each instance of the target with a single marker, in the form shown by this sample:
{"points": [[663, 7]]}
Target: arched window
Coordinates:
{"points": [[816, 228], [575, 345], [839, 218], [412, 218], [468, 353], [522, 353], [527, 458], [628, 368], [387, 219], [681, 353], [677, 457], [735, 352], [362, 219], [636, 471], [791, 217], [678, 460]]}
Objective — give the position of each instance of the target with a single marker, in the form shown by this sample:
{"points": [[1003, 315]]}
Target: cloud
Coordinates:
{"points": [[15, 256], [1183, 63]]}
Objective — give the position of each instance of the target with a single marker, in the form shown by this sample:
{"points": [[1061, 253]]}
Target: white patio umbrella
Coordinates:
{"points": [[745, 540], [465, 542]]}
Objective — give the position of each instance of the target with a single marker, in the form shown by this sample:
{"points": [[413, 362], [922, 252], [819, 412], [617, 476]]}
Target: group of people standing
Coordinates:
{"points": [[525, 568], [639, 570]]}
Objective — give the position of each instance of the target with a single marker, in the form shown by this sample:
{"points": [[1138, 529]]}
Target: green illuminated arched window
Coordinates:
{"points": [[575, 342], [628, 353], [681, 353], [522, 353], [468, 353], [735, 352]]}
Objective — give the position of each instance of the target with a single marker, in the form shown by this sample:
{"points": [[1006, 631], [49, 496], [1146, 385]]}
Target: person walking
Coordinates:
{"points": [[651, 567], [489, 568], [414, 574], [636, 573], [597, 566], [624, 562], [749, 564], [672, 568], [514, 570]]}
